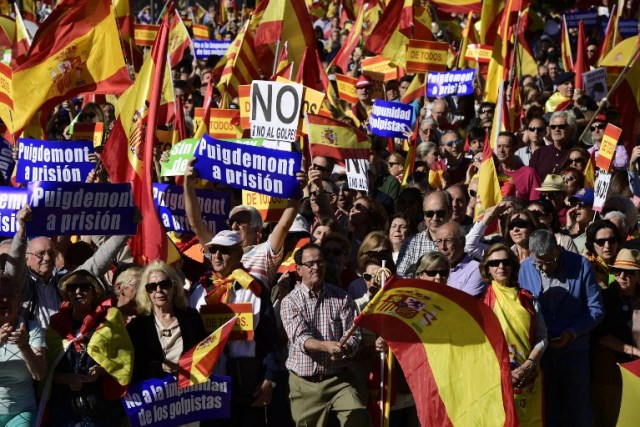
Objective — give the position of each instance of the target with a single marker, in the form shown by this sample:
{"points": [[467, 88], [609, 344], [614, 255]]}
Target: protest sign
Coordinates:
{"points": [[458, 82], [357, 174], [206, 48], [390, 119], [270, 208], [216, 315], [145, 35], [380, 66], [89, 132], [347, 88], [311, 98], [628, 27], [425, 56], [64, 209], [595, 83], [608, 146], [589, 18], [244, 102], [11, 201], [600, 190], [53, 161], [275, 110], [160, 403], [222, 123], [6, 159], [479, 52], [246, 167], [179, 157], [201, 32], [169, 200]]}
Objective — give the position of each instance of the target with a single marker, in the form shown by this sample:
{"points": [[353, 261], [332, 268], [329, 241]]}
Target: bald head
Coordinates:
{"points": [[437, 210], [41, 257], [450, 239]]}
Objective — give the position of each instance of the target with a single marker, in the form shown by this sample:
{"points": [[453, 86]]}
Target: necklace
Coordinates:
{"points": [[164, 332]]}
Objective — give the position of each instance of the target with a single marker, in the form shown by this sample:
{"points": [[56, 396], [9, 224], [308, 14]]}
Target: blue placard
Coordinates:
{"points": [[628, 28], [258, 169], [390, 119], [206, 48], [78, 208], [53, 161], [6, 159], [169, 200], [589, 18], [11, 201], [160, 403], [459, 83]]}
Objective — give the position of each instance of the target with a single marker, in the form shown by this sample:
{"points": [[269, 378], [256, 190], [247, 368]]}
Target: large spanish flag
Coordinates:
{"points": [[242, 66], [451, 349], [196, 365], [354, 38], [390, 37], [22, 42], [333, 138], [458, 6], [76, 50], [179, 40], [630, 393]]}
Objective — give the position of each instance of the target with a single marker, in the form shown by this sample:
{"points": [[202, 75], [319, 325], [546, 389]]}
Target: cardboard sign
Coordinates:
{"points": [[206, 48], [589, 18], [270, 208], [244, 102], [379, 65], [6, 76], [347, 88], [458, 82], [600, 191], [217, 315], [358, 174], [595, 83], [608, 146], [390, 119], [11, 201], [627, 27], [423, 56], [145, 35], [200, 32], [479, 52], [89, 132], [53, 161], [179, 157], [221, 122], [275, 110]]}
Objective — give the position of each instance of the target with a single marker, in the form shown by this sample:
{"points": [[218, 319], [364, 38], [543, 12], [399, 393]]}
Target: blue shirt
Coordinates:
{"points": [[466, 277]]}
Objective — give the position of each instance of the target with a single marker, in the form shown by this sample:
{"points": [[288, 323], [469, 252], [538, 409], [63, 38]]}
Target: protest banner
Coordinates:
{"points": [[244, 102], [390, 119], [270, 208], [589, 18], [458, 82], [6, 159], [595, 83], [479, 52], [201, 32], [11, 201], [357, 174], [275, 111], [608, 146], [206, 48], [64, 209], [628, 27], [89, 132], [246, 167], [216, 315], [423, 56], [379, 65], [145, 35], [179, 157], [222, 122], [601, 188], [169, 200], [347, 88], [53, 161], [311, 98], [160, 403]]}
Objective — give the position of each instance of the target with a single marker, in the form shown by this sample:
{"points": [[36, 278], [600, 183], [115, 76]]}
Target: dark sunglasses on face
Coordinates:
{"points": [[599, 126], [473, 193], [319, 167], [576, 160], [457, 142], [536, 129], [519, 223], [618, 272], [439, 213], [433, 273], [538, 213], [486, 111], [367, 277], [506, 262], [165, 285], [601, 242], [555, 127], [84, 287], [224, 250]]}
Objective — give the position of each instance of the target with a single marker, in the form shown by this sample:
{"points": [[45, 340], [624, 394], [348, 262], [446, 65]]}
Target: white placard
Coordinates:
{"points": [[275, 110], [357, 174], [601, 188], [595, 83]]}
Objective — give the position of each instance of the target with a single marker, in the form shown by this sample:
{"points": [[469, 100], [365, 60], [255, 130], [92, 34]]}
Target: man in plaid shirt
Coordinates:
{"points": [[316, 315]]}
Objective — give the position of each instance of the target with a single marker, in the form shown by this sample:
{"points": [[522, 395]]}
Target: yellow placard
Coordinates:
{"points": [[221, 123], [201, 32], [244, 102], [608, 146], [347, 88], [145, 35], [479, 52], [89, 132], [378, 64], [423, 56], [270, 208], [214, 316]]}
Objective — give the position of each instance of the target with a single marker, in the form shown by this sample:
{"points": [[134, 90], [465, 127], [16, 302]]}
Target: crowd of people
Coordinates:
{"points": [[81, 321]]}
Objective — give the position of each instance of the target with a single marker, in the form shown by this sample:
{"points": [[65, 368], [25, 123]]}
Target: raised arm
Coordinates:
{"points": [[279, 233], [192, 206]]}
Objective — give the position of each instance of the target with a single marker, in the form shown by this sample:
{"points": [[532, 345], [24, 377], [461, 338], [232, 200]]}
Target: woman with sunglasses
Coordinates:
{"points": [[544, 212], [90, 355], [519, 226], [523, 327], [578, 159], [616, 339], [166, 327], [433, 266], [573, 180], [601, 248]]}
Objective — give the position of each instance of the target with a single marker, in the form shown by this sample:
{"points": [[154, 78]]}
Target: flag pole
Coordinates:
{"points": [[122, 46], [383, 354]]}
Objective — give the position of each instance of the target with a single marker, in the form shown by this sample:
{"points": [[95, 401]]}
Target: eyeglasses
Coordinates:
{"points": [[224, 250], [448, 241], [440, 213], [539, 263], [319, 167], [84, 287], [576, 160], [538, 213], [556, 127], [457, 142], [536, 129], [519, 223], [618, 272], [601, 242], [316, 263], [506, 262], [433, 273], [360, 207], [600, 126], [165, 285], [486, 111], [473, 193], [41, 254]]}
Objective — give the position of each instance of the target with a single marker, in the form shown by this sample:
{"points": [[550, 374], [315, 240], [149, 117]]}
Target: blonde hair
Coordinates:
{"points": [[129, 274], [145, 305]]}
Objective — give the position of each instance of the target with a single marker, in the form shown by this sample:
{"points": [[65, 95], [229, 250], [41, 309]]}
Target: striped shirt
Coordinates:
{"points": [[262, 263], [325, 315], [412, 249]]}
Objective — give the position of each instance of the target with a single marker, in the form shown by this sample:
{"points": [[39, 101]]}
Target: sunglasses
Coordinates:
{"points": [[576, 160], [440, 213], [457, 143], [556, 127], [519, 223], [618, 272], [224, 250], [84, 287], [536, 129], [319, 167], [600, 126], [433, 273], [540, 263], [486, 111], [473, 193], [506, 262], [610, 240], [537, 213], [367, 277], [152, 287]]}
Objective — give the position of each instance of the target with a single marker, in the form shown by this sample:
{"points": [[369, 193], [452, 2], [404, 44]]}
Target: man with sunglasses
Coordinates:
{"points": [[465, 272], [550, 159], [452, 147], [524, 177], [620, 158], [579, 216], [564, 284], [534, 135], [437, 211]]}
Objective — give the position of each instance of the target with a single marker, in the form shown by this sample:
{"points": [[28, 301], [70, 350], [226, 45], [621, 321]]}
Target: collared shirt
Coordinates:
{"points": [[620, 158], [548, 159], [40, 298], [262, 263], [325, 315], [466, 277], [412, 249]]}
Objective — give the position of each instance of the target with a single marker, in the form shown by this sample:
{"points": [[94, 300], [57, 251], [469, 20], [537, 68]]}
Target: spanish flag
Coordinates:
{"points": [[488, 185], [333, 138], [354, 39], [390, 37], [197, 364], [179, 40], [22, 41], [68, 57], [457, 6], [580, 65], [288, 263], [451, 349], [241, 66], [630, 393]]}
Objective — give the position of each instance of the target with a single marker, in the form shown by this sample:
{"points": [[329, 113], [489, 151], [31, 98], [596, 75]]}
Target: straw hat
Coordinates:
{"points": [[88, 278], [552, 183], [627, 259]]}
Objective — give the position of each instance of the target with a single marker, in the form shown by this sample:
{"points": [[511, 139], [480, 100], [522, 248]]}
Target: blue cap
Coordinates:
{"points": [[584, 195]]}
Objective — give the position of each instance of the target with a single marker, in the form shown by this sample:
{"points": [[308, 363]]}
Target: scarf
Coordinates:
{"points": [[219, 288], [602, 271], [62, 323]]}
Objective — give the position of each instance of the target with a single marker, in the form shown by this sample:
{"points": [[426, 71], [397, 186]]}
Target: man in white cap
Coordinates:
{"points": [[364, 105]]}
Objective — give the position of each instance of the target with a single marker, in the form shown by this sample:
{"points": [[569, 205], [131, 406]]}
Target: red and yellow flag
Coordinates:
{"points": [[580, 65], [333, 138], [630, 393], [458, 6], [451, 349], [391, 35], [416, 89], [626, 99], [29, 10], [354, 38], [22, 42], [242, 65], [288, 263], [488, 185], [179, 40], [565, 46], [196, 365], [611, 36], [68, 57]]}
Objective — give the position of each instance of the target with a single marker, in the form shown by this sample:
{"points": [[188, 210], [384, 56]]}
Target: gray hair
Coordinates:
{"points": [[624, 205], [425, 147], [541, 242], [568, 116], [428, 121], [617, 215]]}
